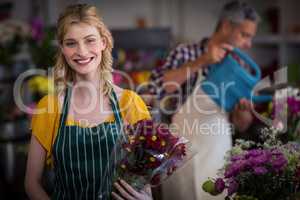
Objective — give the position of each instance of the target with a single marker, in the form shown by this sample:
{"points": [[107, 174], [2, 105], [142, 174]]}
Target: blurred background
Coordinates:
{"points": [[144, 32]]}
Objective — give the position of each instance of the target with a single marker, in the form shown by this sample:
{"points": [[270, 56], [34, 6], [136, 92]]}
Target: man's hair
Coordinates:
{"points": [[237, 12]]}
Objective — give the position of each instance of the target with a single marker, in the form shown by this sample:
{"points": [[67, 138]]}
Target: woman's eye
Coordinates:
{"points": [[70, 44], [91, 40]]}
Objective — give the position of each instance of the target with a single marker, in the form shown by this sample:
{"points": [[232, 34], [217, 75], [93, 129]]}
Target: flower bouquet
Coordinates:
{"points": [[148, 153], [260, 172]]}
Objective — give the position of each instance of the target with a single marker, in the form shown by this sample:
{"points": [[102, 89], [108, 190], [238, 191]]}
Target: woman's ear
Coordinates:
{"points": [[103, 43], [60, 46]]}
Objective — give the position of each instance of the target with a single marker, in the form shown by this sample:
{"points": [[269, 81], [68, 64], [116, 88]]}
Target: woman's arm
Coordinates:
{"points": [[34, 171]]}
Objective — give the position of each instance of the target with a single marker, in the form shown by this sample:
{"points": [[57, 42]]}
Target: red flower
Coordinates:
{"points": [[152, 163], [155, 179], [151, 148]]}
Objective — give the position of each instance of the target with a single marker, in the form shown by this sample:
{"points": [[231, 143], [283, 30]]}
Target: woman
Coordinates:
{"points": [[76, 129]]}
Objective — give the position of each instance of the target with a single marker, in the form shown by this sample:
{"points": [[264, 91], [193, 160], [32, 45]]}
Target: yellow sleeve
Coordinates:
{"points": [[44, 123], [133, 108]]}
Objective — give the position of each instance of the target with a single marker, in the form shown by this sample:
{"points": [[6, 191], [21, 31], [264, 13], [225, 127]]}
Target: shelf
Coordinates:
{"points": [[292, 39], [143, 49], [277, 39], [150, 38], [271, 39]]}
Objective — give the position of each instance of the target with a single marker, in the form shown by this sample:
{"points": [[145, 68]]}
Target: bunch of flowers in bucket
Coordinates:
{"points": [[148, 153], [284, 112], [259, 171]]}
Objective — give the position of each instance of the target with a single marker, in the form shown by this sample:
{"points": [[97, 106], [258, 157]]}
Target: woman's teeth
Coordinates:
{"points": [[83, 61]]}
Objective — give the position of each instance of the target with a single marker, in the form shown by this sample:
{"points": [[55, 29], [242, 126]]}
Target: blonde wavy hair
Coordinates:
{"points": [[75, 14]]}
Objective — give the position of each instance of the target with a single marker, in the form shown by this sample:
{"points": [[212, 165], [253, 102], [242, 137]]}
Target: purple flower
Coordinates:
{"points": [[231, 172], [257, 158], [293, 104], [276, 152], [235, 168], [237, 157], [219, 185], [253, 153], [295, 108], [260, 170], [290, 100], [257, 161], [232, 187], [278, 163], [37, 29]]}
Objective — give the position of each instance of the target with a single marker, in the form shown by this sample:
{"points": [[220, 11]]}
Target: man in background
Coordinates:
{"points": [[174, 83]]}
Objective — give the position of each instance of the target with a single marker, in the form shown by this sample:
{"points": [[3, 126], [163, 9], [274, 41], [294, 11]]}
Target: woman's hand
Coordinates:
{"points": [[128, 193]]}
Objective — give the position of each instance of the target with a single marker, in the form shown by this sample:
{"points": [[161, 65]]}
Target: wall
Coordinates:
{"points": [[201, 18], [190, 20], [21, 9]]}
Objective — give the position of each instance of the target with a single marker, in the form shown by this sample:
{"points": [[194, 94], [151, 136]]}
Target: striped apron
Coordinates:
{"points": [[81, 155]]}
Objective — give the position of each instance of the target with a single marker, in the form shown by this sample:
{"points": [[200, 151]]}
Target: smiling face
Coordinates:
{"points": [[82, 47]]}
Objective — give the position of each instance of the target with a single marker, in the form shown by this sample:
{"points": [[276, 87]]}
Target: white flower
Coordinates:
{"points": [[278, 125], [10, 28]]}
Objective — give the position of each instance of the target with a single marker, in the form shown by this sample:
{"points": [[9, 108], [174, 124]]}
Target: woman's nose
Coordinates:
{"points": [[82, 50]]}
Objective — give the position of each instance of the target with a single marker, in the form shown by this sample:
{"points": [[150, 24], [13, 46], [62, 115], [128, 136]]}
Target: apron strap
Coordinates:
{"points": [[113, 101], [65, 108], [116, 109]]}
